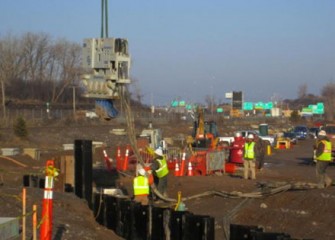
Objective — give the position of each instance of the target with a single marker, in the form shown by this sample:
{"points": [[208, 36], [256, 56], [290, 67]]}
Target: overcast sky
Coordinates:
{"points": [[190, 49]]}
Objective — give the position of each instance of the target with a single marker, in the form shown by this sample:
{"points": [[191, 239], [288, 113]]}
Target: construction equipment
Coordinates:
{"points": [[106, 62], [206, 157], [154, 137], [205, 133]]}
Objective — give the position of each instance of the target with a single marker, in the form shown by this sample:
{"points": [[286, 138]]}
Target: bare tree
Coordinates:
{"points": [[10, 64], [67, 60], [302, 91], [328, 95], [47, 69], [136, 91], [210, 101], [35, 53]]}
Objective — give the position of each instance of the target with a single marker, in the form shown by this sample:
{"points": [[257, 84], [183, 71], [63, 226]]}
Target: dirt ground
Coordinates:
{"points": [[303, 214]]}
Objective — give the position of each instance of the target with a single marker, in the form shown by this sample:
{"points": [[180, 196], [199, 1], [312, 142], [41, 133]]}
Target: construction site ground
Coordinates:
{"points": [[303, 214]]}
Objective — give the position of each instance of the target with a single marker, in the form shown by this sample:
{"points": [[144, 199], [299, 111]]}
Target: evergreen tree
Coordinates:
{"points": [[20, 128]]}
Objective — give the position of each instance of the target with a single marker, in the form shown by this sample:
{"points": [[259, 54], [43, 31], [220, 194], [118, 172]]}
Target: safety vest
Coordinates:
{"points": [[163, 168], [327, 152], [141, 185], [249, 153]]}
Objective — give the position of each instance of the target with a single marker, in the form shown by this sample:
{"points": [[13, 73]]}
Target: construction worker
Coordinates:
{"points": [[160, 171], [323, 155], [249, 161], [260, 152], [141, 187]]}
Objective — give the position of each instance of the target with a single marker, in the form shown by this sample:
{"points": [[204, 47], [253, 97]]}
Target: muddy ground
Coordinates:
{"points": [[303, 214]]}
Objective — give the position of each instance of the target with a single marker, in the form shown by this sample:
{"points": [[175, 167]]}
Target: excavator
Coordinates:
{"points": [[205, 133]]}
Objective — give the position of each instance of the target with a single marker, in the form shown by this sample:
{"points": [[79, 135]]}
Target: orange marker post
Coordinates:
{"points": [[46, 225], [34, 222], [24, 198]]}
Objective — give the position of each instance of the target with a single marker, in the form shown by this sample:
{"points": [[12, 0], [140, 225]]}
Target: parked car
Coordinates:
{"points": [[291, 136], [271, 140], [301, 132]]}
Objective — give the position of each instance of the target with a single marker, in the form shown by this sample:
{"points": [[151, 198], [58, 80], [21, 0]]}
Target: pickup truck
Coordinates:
{"points": [[269, 139]]}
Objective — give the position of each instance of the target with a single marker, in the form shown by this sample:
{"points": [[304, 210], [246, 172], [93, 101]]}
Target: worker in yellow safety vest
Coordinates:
{"points": [[249, 161], [161, 171], [323, 155], [141, 187]]}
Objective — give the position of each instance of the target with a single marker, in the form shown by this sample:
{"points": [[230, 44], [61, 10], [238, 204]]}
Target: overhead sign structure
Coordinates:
{"points": [[263, 106], [247, 106], [229, 95], [314, 109], [237, 100]]}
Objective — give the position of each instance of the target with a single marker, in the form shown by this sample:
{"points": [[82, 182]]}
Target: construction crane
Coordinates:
{"points": [[106, 62]]}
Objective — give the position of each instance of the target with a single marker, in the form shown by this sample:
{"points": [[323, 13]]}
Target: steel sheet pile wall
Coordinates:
{"points": [[131, 220], [238, 232], [83, 170]]}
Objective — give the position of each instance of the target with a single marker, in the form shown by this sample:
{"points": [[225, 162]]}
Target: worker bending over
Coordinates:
{"points": [[160, 171]]}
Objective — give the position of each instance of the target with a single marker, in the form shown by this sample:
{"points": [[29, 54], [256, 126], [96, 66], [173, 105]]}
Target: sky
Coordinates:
{"points": [[194, 49]]}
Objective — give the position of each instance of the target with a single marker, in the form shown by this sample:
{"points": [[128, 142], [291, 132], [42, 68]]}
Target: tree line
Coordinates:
{"points": [[37, 68]]}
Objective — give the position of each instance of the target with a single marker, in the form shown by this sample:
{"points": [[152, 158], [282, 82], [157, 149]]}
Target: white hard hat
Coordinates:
{"points": [[250, 136], [238, 134], [322, 133], [141, 171], [159, 152]]}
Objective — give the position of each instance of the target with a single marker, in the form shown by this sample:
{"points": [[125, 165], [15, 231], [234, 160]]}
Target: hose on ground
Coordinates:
{"points": [[267, 189]]}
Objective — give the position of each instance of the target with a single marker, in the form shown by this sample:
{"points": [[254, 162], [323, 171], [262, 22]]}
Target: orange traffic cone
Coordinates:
{"points": [[107, 160], [177, 170], [182, 168], [126, 158], [118, 159], [118, 156], [190, 170]]}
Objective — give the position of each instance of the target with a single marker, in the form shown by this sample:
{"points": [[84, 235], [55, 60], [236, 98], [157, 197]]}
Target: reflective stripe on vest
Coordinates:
{"points": [[163, 168], [249, 153], [141, 185], [327, 152]]}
